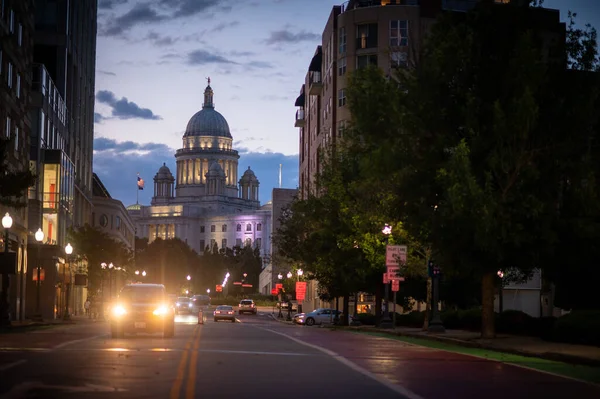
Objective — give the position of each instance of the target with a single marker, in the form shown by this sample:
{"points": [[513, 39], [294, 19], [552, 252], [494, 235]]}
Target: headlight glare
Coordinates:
{"points": [[119, 310], [161, 311]]}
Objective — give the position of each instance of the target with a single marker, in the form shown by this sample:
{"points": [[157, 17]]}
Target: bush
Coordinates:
{"points": [[412, 319], [366, 319], [515, 322], [578, 327]]}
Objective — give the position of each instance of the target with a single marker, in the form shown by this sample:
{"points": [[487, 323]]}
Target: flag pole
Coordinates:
{"points": [[137, 191]]}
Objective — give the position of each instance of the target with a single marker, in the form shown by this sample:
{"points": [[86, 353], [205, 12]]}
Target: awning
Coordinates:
{"points": [[315, 64], [300, 100]]}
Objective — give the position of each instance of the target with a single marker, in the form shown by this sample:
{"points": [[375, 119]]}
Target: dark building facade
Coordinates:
{"points": [[16, 55]]}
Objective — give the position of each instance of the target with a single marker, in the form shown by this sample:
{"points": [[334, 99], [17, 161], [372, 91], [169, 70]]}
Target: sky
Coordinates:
{"points": [[154, 56]]}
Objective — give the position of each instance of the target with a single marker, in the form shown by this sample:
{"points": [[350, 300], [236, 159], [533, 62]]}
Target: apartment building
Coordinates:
{"points": [[16, 55], [387, 34]]}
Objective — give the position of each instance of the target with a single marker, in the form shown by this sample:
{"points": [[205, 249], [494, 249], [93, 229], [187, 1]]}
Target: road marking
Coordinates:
{"points": [[178, 383], [13, 364], [191, 382], [24, 350], [396, 388], [75, 341], [20, 390], [254, 352]]}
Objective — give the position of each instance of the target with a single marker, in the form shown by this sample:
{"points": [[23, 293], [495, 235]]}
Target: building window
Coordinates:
{"points": [[212, 244], [248, 227], [18, 85], [224, 243], [366, 36], [9, 77], [202, 245], [20, 35], [238, 227], [202, 229], [213, 228], [11, 22], [103, 220], [341, 98], [398, 33], [248, 242], [258, 243], [224, 228], [341, 128], [341, 66], [363, 61], [399, 59], [7, 131], [238, 242], [118, 223], [342, 40], [17, 138], [259, 227]]}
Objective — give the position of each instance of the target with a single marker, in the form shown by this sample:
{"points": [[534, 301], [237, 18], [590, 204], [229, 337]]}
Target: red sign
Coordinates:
{"points": [[237, 283], [219, 288], [274, 291], [247, 285], [278, 287], [386, 278], [395, 285], [300, 290], [42, 274]]}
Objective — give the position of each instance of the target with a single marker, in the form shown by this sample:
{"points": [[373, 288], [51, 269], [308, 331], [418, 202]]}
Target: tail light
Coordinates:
{"points": [[229, 312], [252, 305], [218, 312]]}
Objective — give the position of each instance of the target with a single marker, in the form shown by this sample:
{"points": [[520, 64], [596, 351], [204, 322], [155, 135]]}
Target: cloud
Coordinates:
{"points": [[107, 73], [187, 8], [159, 40], [275, 98], [203, 57], [110, 4], [140, 14], [286, 36], [118, 163], [98, 118], [224, 25], [123, 108]]}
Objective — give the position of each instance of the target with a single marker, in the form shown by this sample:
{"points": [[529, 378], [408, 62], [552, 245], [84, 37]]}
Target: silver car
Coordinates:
{"points": [[224, 312], [317, 316]]}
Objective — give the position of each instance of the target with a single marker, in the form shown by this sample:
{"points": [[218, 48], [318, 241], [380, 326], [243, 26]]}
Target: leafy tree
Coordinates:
{"points": [[13, 184]]}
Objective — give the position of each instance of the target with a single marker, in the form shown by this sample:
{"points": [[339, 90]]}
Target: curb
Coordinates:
{"points": [[559, 357], [279, 320]]}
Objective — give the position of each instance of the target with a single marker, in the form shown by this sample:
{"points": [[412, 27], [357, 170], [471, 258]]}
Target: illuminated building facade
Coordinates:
{"points": [[204, 203]]}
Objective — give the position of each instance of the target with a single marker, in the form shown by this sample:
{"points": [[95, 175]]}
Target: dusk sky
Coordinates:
{"points": [[153, 58]]}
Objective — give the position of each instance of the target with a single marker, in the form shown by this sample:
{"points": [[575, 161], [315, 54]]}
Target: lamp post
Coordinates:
{"points": [[208, 291], [299, 273], [280, 315], [68, 251], [386, 322], [435, 324], [501, 292], [4, 305], [39, 237], [143, 273]]}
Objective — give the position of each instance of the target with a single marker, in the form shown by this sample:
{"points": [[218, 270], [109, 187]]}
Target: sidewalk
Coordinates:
{"points": [[518, 345], [28, 323]]}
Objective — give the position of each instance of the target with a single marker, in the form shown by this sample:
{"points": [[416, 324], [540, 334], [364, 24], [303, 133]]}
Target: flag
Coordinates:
{"points": [[140, 182]]}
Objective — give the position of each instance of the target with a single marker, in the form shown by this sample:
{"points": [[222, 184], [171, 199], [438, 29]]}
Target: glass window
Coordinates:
{"points": [[258, 243], [259, 227], [248, 242], [399, 59], [212, 228], [11, 21], [212, 243], [238, 227], [398, 33], [142, 294], [18, 85], [342, 40], [201, 229], [248, 227], [363, 61], [341, 98], [17, 138], [7, 128], [224, 243], [341, 66], [20, 35], [366, 36], [9, 75], [224, 228], [238, 242], [202, 245]]}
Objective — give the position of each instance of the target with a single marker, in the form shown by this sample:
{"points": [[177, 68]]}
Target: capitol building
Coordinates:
{"points": [[204, 203]]}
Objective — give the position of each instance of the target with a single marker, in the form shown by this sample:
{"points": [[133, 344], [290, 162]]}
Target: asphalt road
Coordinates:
{"points": [[214, 360], [255, 357]]}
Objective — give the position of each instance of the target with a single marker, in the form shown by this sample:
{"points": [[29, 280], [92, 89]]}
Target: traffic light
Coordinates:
{"points": [[430, 266]]}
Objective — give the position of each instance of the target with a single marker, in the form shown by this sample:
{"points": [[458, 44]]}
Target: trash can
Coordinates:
{"points": [[201, 317]]}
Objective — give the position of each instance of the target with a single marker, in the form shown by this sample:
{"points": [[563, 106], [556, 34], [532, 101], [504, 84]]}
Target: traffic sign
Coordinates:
{"points": [[385, 278], [395, 255], [300, 290], [274, 291], [395, 285], [219, 288]]}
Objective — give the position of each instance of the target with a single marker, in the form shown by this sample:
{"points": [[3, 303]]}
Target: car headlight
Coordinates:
{"points": [[161, 311], [190, 305], [178, 304], [119, 310]]}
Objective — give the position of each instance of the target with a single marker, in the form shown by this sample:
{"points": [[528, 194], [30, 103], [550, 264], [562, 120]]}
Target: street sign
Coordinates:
{"points": [[237, 283], [395, 255], [247, 285], [274, 291], [395, 285], [42, 274], [300, 290], [218, 288], [386, 279], [278, 287]]}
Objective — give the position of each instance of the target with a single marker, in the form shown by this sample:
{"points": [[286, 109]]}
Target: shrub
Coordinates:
{"points": [[578, 327], [412, 319], [515, 322], [470, 319], [366, 319]]}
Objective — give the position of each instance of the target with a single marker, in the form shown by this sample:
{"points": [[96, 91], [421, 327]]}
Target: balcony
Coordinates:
{"points": [[300, 121], [315, 84], [354, 4]]}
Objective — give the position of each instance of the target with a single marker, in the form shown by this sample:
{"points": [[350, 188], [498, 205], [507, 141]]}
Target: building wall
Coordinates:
{"points": [[111, 217]]}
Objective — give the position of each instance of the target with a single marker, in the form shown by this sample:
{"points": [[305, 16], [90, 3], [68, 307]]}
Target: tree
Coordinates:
{"points": [[13, 184]]}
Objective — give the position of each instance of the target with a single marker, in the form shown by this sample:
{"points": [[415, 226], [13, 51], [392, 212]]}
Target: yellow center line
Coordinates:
{"points": [[191, 382], [178, 383]]}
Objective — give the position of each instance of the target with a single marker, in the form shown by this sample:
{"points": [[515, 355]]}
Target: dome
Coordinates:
{"points": [[207, 121], [215, 170], [249, 175], [134, 207], [164, 173]]}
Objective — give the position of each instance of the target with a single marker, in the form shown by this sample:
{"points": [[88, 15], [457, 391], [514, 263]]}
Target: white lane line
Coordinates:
{"points": [[75, 341], [396, 388], [253, 352], [13, 364]]}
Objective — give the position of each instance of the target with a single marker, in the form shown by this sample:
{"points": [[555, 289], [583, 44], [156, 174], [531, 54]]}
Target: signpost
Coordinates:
{"points": [[395, 256], [395, 289], [386, 279], [300, 293]]}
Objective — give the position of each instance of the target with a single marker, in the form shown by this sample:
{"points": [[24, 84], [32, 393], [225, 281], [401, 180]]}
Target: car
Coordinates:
{"points": [[247, 306], [317, 316], [142, 308], [224, 312], [198, 302], [183, 305]]}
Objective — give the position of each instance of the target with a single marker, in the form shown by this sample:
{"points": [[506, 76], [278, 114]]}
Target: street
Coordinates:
{"points": [[255, 357]]}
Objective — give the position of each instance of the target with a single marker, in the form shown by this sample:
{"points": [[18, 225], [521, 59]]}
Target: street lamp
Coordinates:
{"points": [[137, 272], [289, 275], [188, 277], [501, 292], [386, 322], [4, 313], [299, 272], [245, 275], [39, 237], [208, 290], [68, 251], [143, 273], [280, 315]]}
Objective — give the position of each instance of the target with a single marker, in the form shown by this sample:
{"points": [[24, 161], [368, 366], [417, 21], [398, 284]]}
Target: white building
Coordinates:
{"points": [[204, 204]]}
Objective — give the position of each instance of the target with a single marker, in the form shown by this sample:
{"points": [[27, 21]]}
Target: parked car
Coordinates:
{"points": [[317, 316], [247, 306]]}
